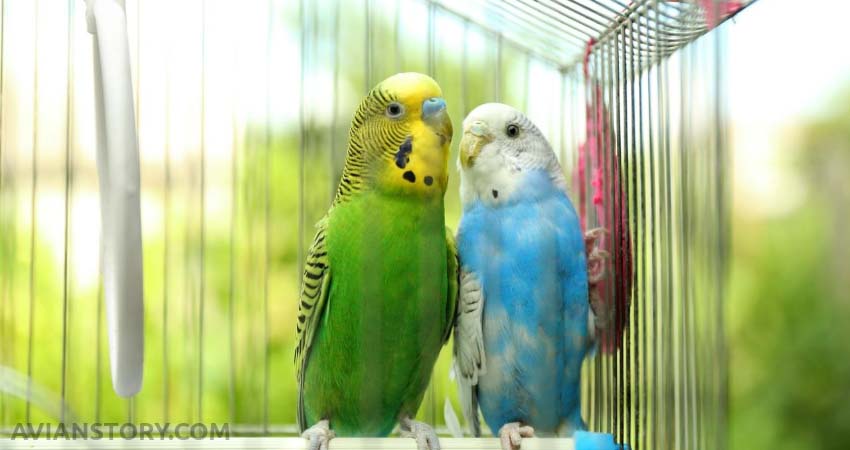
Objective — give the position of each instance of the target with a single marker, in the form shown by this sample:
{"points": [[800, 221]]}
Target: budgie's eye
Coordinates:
{"points": [[512, 131], [394, 110]]}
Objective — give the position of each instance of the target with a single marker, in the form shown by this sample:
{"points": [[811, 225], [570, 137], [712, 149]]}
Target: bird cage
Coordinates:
{"points": [[242, 112]]}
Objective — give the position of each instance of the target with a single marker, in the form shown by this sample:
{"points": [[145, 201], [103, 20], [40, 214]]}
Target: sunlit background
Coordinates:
{"points": [[789, 105], [788, 100]]}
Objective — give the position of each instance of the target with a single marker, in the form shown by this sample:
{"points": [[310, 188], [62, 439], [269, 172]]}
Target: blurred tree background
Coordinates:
{"points": [[789, 308]]}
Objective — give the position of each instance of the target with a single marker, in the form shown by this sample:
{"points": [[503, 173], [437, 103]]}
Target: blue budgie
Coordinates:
{"points": [[523, 313]]}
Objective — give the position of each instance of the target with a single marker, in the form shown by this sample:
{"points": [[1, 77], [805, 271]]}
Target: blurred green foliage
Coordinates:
{"points": [[789, 310]]}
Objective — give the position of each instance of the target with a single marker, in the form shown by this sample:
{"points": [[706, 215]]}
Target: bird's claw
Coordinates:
{"points": [[319, 435], [595, 256], [426, 438], [511, 435], [596, 266], [592, 236]]}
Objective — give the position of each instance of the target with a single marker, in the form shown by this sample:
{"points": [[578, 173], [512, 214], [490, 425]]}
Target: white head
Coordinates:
{"points": [[498, 148]]}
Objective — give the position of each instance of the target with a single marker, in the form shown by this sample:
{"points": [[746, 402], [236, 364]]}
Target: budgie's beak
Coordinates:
{"points": [[475, 136], [435, 115]]}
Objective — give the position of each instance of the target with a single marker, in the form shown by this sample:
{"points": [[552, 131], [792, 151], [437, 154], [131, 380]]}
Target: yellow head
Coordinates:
{"points": [[399, 139]]}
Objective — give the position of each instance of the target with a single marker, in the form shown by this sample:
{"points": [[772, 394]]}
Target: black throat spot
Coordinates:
{"points": [[429, 180], [410, 176], [495, 193], [402, 156]]}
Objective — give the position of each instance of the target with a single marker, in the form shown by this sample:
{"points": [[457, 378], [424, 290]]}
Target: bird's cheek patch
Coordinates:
{"points": [[402, 161], [402, 156]]}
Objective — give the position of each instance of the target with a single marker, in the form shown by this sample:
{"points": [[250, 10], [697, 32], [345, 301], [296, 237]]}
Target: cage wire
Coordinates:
{"points": [[242, 113]]}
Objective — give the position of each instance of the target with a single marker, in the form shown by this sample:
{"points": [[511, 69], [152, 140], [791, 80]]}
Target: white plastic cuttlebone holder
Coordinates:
{"points": [[118, 177]]}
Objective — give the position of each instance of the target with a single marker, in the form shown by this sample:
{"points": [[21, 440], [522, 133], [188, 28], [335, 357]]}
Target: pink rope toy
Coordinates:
{"points": [[598, 155]]}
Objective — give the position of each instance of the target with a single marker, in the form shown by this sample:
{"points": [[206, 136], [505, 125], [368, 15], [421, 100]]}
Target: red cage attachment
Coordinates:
{"points": [[598, 159]]}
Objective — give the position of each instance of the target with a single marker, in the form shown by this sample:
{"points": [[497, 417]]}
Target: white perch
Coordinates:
{"points": [[118, 176], [285, 444]]}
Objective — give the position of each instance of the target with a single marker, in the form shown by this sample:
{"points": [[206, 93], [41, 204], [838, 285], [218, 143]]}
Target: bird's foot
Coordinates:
{"points": [[319, 435], [511, 435], [596, 266], [426, 438], [592, 236], [595, 256]]}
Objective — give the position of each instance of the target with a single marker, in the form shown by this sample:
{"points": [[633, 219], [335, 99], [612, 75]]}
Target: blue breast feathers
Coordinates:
{"points": [[528, 255]]}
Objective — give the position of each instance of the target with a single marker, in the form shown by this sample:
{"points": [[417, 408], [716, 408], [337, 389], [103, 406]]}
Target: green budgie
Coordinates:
{"points": [[379, 289]]}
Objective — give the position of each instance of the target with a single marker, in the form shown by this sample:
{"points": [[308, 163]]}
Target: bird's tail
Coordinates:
{"points": [[468, 397]]}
